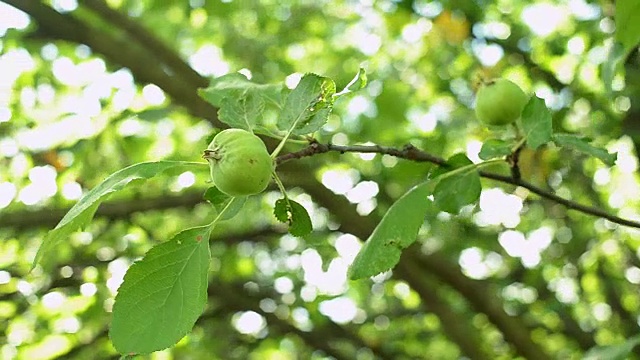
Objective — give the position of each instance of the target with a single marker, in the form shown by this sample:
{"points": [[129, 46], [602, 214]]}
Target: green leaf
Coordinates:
{"points": [[291, 212], [153, 114], [397, 230], [242, 111], [236, 86], [223, 86], [281, 211], [163, 294], [308, 106], [494, 148], [357, 83], [627, 18], [613, 352], [537, 124], [216, 197], [458, 190], [82, 212], [582, 145], [220, 200], [613, 63], [273, 94]]}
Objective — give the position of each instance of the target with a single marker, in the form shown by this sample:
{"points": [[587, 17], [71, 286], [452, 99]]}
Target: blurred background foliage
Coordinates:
{"points": [[88, 87]]}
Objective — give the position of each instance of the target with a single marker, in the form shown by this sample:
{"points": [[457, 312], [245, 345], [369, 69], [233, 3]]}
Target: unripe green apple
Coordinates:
{"points": [[240, 163], [500, 102]]}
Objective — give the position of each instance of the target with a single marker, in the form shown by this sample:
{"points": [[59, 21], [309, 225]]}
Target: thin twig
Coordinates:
{"points": [[410, 152]]}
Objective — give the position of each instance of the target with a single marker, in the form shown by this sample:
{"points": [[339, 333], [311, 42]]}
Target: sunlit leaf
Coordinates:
{"points": [[236, 86], [397, 230], [222, 201], [536, 122], [153, 114], [582, 145], [453, 192], [294, 214], [241, 111], [610, 67], [82, 212], [357, 83], [613, 352], [163, 294], [224, 86], [495, 148], [627, 18], [308, 106]]}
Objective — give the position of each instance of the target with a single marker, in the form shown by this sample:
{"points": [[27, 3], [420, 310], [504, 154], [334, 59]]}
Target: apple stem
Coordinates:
{"points": [[280, 185], [221, 213]]}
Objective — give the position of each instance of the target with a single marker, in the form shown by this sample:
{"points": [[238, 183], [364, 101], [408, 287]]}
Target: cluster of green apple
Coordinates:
{"points": [[241, 165]]}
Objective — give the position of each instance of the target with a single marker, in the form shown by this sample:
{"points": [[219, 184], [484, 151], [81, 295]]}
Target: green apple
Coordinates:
{"points": [[500, 102], [240, 163]]}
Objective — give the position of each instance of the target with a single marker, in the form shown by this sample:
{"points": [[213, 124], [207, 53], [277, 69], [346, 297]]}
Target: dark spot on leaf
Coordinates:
{"points": [[199, 238], [394, 243]]}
